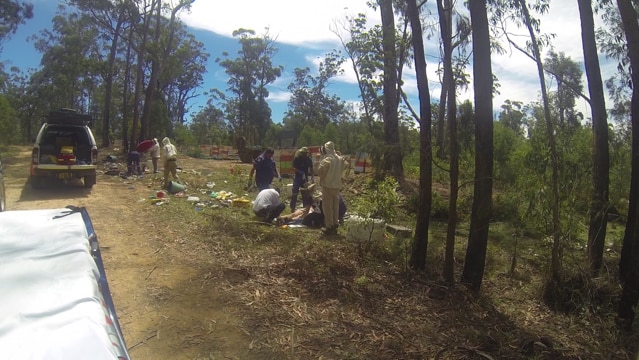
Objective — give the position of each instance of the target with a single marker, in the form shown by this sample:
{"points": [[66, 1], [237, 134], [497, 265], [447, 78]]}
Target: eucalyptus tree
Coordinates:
{"points": [[182, 75], [369, 51], [249, 75], [611, 40], [363, 49], [310, 104], [420, 240], [111, 20], [208, 126], [474, 262], [392, 152], [599, 203], [533, 28], [448, 101], [519, 12], [13, 14], [163, 45], [21, 94], [450, 41], [68, 76], [511, 116], [138, 43], [629, 264], [9, 130], [568, 75]]}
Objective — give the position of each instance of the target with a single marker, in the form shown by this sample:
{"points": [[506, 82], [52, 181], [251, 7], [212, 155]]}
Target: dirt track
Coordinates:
{"points": [[169, 305]]}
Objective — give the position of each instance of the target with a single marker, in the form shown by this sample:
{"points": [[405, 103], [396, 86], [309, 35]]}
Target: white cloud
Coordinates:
{"points": [[307, 24], [279, 96], [298, 22]]}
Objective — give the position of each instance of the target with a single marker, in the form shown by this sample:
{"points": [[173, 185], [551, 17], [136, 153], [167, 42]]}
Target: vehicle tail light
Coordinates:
{"points": [[94, 156], [66, 159], [35, 156]]}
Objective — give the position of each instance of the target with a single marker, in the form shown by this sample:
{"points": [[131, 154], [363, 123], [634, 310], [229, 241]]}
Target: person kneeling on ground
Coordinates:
{"points": [[267, 205]]}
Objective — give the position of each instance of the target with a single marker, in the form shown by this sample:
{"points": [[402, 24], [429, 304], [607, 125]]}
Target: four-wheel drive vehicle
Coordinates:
{"points": [[56, 302], [64, 149]]}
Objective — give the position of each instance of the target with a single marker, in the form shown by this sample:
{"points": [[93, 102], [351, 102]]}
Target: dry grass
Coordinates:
{"points": [[305, 296]]}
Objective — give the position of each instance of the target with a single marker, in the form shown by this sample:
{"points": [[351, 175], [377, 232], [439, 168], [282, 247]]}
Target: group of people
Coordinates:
{"points": [[326, 212], [167, 152]]}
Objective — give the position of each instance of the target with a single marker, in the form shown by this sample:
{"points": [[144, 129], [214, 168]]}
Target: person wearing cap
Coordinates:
{"points": [[265, 169], [330, 173], [303, 167]]}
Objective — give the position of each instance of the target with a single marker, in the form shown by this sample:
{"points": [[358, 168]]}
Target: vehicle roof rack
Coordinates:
{"points": [[67, 116]]}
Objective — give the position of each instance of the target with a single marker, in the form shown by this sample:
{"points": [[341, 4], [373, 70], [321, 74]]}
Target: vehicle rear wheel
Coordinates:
{"points": [[89, 181], [37, 182]]}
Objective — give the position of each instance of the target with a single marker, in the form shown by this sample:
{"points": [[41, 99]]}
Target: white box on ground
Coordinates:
{"points": [[363, 229]]}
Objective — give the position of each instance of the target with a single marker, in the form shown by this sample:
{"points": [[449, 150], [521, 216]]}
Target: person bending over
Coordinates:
{"points": [[267, 205]]}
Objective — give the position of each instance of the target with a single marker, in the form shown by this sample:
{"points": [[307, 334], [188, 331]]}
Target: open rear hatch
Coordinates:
{"points": [[55, 301]]}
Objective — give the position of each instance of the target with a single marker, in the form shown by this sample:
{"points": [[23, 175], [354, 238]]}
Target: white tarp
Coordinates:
{"points": [[50, 302]]}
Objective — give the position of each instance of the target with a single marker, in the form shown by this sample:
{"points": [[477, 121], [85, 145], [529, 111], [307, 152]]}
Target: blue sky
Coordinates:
{"points": [[305, 31]]}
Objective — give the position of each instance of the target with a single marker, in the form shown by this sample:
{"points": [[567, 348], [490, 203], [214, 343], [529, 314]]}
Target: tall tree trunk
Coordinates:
{"points": [[393, 151], [139, 79], [440, 136], [474, 262], [445, 23], [126, 113], [600, 152], [555, 262], [629, 263], [158, 60], [151, 86], [420, 242], [108, 91]]}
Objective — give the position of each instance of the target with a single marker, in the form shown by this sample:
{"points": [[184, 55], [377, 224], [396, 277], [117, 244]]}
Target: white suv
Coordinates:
{"points": [[64, 149]]}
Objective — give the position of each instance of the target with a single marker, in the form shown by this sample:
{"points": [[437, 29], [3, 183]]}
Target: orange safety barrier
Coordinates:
{"points": [[224, 152], [361, 162], [286, 162], [215, 152], [205, 150]]}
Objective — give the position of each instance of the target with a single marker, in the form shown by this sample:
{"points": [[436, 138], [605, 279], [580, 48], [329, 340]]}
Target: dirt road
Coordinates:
{"points": [[170, 306]]}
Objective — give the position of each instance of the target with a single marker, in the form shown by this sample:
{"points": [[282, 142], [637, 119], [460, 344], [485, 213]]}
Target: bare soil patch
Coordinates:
{"points": [[170, 304]]}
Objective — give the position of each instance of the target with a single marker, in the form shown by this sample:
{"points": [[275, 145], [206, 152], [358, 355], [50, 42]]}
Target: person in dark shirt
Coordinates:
{"points": [[133, 163], [303, 167], [265, 169]]}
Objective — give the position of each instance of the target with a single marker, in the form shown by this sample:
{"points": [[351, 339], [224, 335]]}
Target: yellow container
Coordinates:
{"points": [[241, 202]]}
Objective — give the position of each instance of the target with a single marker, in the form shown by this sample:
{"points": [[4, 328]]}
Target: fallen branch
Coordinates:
{"points": [[144, 341], [150, 272]]}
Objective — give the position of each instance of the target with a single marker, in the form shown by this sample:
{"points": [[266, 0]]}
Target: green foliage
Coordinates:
{"points": [[439, 207], [12, 14], [208, 127], [8, 125], [310, 104], [249, 74], [506, 207], [311, 136], [379, 201], [185, 138], [507, 144]]}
